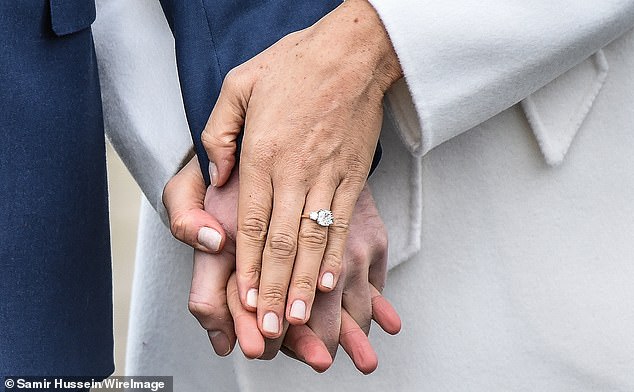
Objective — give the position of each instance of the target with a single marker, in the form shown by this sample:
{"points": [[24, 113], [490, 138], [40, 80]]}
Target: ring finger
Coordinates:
{"points": [[312, 239]]}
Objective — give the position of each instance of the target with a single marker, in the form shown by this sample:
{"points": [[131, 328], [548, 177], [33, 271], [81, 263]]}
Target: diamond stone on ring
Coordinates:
{"points": [[322, 217]]}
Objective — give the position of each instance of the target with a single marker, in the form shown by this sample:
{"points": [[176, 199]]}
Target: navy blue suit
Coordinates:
{"points": [[55, 274]]}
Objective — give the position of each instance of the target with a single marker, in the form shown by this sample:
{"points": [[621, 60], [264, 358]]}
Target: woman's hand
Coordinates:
{"points": [[211, 295], [311, 107], [342, 316]]}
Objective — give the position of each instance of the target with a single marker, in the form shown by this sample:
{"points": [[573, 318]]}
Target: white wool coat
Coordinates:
{"points": [[506, 185]]}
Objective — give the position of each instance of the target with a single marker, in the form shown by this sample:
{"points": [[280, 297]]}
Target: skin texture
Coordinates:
{"points": [[343, 315], [311, 108]]}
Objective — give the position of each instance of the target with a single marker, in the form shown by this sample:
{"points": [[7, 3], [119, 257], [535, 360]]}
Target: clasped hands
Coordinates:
{"points": [[311, 110]]}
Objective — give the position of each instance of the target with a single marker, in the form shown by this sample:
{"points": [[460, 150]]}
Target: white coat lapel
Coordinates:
{"points": [[556, 112]]}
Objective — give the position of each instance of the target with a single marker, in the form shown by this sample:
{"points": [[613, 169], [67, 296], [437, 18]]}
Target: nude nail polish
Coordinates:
{"points": [[252, 298], [270, 323], [298, 310], [328, 280]]}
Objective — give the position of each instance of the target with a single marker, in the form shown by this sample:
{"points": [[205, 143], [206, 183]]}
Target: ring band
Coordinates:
{"points": [[322, 217]]}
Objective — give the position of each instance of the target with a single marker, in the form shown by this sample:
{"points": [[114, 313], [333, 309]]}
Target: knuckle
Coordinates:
{"points": [[209, 140], [305, 283], [251, 273], [218, 140], [255, 225], [207, 310], [382, 241], [273, 295], [313, 236], [358, 255], [178, 226], [333, 262], [355, 175], [340, 227], [382, 245], [282, 244]]}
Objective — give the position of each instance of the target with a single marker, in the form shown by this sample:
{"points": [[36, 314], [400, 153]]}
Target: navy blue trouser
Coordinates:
{"points": [[55, 273]]}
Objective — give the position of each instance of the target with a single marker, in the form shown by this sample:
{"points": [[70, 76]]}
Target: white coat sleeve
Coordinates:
{"points": [[143, 108], [465, 61]]}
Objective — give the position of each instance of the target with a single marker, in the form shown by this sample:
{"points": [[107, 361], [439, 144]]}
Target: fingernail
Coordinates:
{"points": [[252, 298], [270, 323], [220, 343], [328, 280], [209, 238], [298, 310], [213, 173]]}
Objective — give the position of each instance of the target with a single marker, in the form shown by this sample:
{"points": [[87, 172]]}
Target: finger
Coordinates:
{"points": [[278, 258], [273, 346], [303, 344], [246, 326], [208, 299], [384, 313], [356, 344], [342, 206], [254, 212], [326, 320], [377, 274], [224, 125], [311, 244], [183, 198], [357, 300]]}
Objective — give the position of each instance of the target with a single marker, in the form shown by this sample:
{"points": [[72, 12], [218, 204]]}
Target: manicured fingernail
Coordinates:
{"points": [[270, 323], [252, 298], [328, 280], [213, 173], [220, 343], [209, 238], [298, 310]]}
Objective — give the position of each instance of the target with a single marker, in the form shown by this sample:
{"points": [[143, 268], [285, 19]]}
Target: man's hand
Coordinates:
{"points": [[311, 107], [216, 306]]}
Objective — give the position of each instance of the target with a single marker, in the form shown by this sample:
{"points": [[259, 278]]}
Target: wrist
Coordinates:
{"points": [[361, 28]]}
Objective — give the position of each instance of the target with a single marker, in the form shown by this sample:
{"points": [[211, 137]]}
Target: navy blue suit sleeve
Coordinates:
{"points": [[214, 36]]}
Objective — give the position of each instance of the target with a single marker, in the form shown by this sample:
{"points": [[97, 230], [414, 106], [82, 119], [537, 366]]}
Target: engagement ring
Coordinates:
{"points": [[322, 217]]}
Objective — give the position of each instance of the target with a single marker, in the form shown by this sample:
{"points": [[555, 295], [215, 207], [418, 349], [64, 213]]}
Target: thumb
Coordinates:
{"points": [[224, 125], [183, 198]]}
